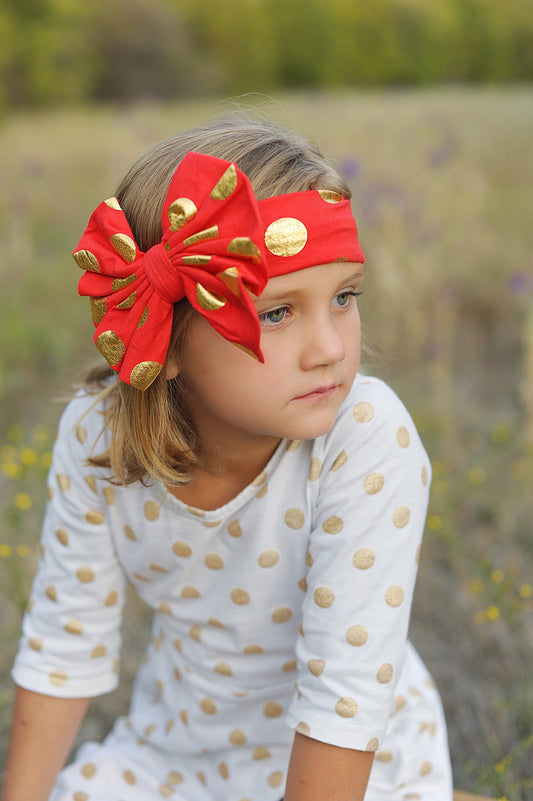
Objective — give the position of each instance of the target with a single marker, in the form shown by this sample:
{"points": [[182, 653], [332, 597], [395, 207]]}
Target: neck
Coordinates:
{"points": [[232, 460], [239, 457]]}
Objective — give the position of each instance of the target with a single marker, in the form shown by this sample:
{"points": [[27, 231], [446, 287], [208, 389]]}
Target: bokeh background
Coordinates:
{"points": [[427, 109]]}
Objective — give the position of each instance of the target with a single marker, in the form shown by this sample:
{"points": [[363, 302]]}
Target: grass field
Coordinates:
{"points": [[442, 194]]}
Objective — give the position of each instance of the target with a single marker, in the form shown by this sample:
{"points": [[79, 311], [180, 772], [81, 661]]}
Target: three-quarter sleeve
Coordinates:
{"points": [[370, 509], [71, 629]]}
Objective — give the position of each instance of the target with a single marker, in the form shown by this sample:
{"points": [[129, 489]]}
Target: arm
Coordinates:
{"points": [[42, 734], [367, 525], [319, 771]]}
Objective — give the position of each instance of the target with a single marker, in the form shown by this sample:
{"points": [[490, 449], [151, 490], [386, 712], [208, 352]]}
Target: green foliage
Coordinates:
{"points": [[47, 57], [142, 50], [234, 42], [59, 51]]}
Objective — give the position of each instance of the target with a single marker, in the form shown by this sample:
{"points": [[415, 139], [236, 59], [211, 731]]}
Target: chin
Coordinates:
{"points": [[311, 431]]}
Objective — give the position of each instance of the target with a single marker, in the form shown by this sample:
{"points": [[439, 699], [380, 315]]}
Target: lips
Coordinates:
{"points": [[319, 392]]}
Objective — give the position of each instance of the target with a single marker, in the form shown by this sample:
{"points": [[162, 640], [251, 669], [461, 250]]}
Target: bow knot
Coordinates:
{"points": [[162, 275]]}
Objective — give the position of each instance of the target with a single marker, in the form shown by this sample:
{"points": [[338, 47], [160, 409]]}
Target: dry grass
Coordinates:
{"points": [[442, 189]]}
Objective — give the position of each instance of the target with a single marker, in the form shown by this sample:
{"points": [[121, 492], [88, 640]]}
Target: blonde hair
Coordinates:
{"points": [[152, 432]]}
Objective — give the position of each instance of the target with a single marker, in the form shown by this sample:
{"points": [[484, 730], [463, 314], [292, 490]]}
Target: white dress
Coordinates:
{"points": [[287, 608]]}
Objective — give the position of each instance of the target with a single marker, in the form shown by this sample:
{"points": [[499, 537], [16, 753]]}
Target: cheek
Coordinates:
{"points": [[216, 371], [280, 368], [356, 333]]}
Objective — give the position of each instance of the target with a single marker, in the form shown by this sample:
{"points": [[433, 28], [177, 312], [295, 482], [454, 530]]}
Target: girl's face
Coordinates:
{"points": [[310, 338]]}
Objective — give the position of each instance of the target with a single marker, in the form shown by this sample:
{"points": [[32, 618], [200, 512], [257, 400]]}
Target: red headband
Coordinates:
{"points": [[219, 243]]}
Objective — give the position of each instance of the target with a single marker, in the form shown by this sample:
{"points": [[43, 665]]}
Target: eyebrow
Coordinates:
{"points": [[297, 292]]}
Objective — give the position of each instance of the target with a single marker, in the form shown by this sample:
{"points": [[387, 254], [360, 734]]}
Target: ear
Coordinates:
{"points": [[172, 369]]}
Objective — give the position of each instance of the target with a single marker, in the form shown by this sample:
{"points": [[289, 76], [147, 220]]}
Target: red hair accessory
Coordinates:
{"points": [[211, 252], [308, 228], [219, 243]]}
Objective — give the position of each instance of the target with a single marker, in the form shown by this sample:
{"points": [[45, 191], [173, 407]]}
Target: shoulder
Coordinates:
{"points": [[82, 425], [373, 427], [371, 400], [372, 410]]}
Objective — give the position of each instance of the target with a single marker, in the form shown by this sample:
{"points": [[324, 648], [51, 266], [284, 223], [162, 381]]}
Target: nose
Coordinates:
{"points": [[323, 344]]}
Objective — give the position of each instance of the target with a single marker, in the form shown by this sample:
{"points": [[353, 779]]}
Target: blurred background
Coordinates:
{"points": [[427, 110]]}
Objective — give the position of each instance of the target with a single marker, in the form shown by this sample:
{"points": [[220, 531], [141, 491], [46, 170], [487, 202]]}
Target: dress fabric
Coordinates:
{"points": [[285, 609]]}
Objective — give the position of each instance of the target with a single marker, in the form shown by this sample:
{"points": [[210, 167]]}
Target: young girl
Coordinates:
{"points": [[265, 500]]}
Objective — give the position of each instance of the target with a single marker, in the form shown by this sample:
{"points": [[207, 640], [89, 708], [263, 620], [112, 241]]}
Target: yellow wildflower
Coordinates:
{"points": [[496, 576], [493, 613], [477, 476], [23, 551], [5, 551], [526, 591], [22, 501], [500, 434], [476, 586], [28, 456], [434, 522], [12, 470]]}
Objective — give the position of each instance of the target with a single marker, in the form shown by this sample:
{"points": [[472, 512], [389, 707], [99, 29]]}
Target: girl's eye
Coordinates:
{"points": [[274, 316], [343, 298]]}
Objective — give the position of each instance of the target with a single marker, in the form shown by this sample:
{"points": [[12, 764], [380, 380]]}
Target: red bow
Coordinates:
{"points": [[212, 252]]}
